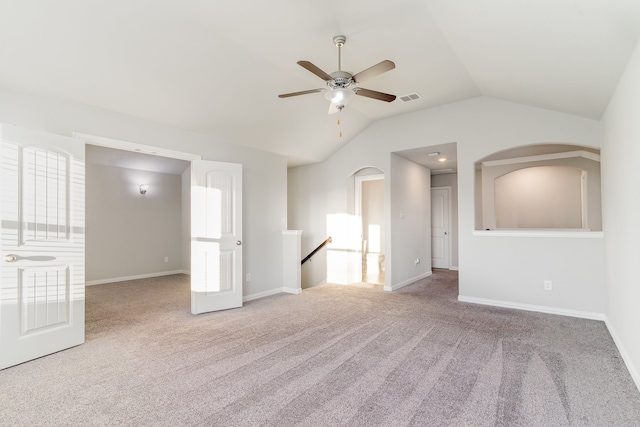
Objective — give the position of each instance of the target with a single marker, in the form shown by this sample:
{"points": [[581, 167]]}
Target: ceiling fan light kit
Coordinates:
{"points": [[339, 97], [339, 83]]}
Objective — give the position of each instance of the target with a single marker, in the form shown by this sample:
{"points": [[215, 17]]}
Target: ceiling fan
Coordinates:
{"points": [[341, 85]]}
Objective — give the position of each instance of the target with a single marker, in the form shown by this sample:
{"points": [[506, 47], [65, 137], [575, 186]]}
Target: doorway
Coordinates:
{"points": [[137, 215], [370, 208], [210, 211], [440, 227]]}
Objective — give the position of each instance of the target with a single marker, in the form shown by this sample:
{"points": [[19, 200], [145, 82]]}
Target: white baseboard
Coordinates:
{"points": [[627, 360], [454, 268], [531, 307], [397, 286], [261, 294], [136, 277], [294, 291]]}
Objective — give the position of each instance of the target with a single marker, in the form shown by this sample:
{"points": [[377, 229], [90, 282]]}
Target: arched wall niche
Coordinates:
{"points": [[539, 187]]}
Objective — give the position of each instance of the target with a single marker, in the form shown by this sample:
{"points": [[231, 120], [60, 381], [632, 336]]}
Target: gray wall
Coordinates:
{"points": [[373, 214], [130, 234], [186, 219]]}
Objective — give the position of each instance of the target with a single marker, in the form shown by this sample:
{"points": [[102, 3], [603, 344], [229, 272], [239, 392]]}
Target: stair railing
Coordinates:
{"points": [[313, 252]]}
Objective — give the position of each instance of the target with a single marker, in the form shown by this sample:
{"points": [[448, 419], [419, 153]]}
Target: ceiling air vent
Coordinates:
{"points": [[411, 97]]}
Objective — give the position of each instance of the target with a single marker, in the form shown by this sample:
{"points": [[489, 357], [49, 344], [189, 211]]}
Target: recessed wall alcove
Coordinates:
{"points": [[539, 187]]}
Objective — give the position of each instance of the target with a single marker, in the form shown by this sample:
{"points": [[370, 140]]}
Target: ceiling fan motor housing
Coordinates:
{"points": [[340, 79]]}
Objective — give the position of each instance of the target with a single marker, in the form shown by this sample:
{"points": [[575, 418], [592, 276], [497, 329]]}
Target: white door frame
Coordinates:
{"points": [[135, 147], [448, 238]]}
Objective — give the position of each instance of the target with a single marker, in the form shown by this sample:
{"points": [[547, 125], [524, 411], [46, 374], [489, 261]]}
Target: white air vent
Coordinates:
{"points": [[411, 97]]}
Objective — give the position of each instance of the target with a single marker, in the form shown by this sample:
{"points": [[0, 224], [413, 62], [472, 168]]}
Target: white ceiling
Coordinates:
{"points": [[216, 67]]}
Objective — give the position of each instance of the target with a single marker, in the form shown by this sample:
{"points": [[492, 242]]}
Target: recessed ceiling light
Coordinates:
{"points": [[442, 159], [435, 153]]}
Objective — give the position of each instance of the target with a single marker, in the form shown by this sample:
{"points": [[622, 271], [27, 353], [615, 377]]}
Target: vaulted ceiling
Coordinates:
{"points": [[216, 68]]}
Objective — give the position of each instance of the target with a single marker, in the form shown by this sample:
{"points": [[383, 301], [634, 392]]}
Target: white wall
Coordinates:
{"points": [[621, 211], [450, 180], [480, 126], [409, 241], [264, 174], [130, 234]]}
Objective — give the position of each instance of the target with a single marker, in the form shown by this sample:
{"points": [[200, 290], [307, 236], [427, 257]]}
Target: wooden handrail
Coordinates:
{"points": [[313, 252]]}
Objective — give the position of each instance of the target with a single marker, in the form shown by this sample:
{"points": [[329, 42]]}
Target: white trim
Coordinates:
{"points": [[543, 157], [578, 233], [627, 360], [294, 291], [264, 294], [132, 146], [136, 277], [406, 282], [584, 202], [531, 307], [454, 268]]}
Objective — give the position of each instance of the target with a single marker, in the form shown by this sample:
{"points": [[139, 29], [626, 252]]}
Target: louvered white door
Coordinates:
{"points": [[42, 266], [216, 236]]}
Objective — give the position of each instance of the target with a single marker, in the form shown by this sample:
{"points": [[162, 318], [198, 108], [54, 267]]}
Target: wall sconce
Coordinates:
{"points": [[144, 188]]}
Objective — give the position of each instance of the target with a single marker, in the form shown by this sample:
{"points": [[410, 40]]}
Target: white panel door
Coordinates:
{"points": [[42, 266], [440, 227], [216, 236]]}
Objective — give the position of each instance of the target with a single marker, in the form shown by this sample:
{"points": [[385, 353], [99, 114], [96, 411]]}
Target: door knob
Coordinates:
{"points": [[238, 243], [11, 258]]}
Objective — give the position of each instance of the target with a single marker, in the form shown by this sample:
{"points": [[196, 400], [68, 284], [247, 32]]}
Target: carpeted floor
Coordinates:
{"points": [[332, 356]]}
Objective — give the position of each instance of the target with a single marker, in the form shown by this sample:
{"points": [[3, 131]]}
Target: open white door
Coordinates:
{"points": [[42, 266], [216, 236]]}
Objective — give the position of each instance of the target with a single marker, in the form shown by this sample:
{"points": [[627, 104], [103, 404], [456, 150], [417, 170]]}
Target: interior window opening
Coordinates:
{"points": [[544, 187]]}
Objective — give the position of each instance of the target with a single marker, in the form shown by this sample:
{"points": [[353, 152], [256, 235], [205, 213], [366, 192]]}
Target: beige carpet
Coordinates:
{"points": [[334, 355]]}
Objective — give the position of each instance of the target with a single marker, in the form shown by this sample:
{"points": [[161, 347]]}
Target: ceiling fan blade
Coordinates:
{"points": [[304, 92], [379, 68], [315, 70], [375, 95]]}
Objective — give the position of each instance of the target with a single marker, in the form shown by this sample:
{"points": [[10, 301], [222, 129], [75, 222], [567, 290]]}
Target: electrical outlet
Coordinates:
{"points": [[248, 277], [166, 259], [548, 285]]}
